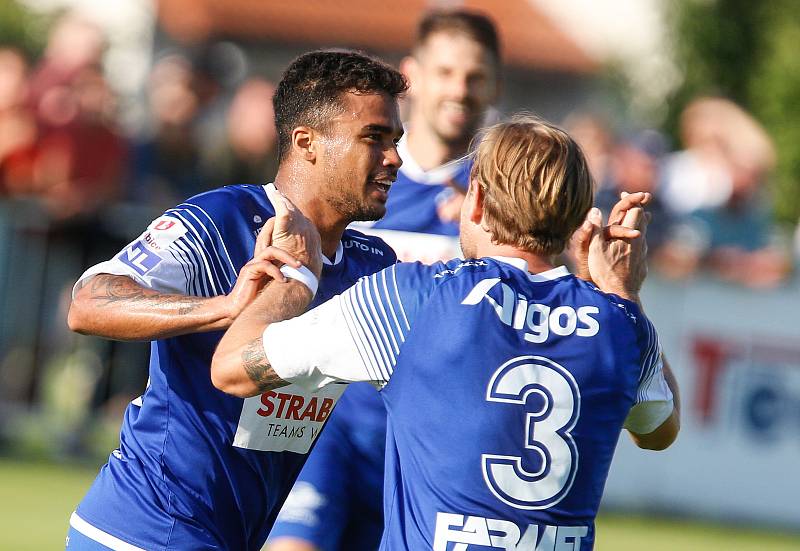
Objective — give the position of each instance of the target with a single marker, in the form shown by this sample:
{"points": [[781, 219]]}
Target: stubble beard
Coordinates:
{"points": [[352, 207]]}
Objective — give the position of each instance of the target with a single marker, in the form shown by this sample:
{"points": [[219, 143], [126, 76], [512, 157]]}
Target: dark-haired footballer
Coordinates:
{"points": [[196, 468]]}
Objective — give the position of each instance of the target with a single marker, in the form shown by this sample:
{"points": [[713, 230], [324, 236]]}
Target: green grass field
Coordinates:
{"points": [[36, 500]]}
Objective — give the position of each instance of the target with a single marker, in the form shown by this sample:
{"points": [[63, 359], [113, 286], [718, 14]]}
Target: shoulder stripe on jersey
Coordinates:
{"points": [[377, 334], [374, 281], [363, 319], [214, 263], [201, 284], [651, 363], [390, 306], [219, 237], [397, 294], [359, 344], [358, 336], [181, 261], [383, 343], [204, 282], [199, 246], [191, 262]]}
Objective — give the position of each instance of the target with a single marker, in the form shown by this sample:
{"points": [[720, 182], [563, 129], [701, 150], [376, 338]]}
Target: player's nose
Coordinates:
{"points": [[391, 157]]}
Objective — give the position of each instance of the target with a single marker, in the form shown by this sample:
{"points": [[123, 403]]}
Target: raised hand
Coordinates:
{"points": [[616, 255], [291, 231], [263, 267]]}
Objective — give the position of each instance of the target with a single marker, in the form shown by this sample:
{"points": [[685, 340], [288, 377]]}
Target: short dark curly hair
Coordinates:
{"points": [[310, 91]]}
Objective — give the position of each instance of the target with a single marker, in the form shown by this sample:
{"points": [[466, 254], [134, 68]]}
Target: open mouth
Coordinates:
{"points": [[383, 184]]}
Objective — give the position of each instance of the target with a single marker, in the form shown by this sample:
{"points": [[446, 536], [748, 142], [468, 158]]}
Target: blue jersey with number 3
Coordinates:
{"points": [[506, 393], [505, 406]]}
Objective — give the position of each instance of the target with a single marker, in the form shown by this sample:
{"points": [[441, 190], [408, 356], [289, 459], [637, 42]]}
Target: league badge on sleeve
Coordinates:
{"points": [[139, 257]]}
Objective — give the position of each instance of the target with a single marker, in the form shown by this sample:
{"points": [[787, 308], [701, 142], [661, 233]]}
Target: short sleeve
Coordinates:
{"points": [[654, 402], [179, 252], [355, 336]]}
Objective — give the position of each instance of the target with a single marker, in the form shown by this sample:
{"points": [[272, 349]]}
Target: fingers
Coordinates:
{"points": [[595, 216], [258, 269], [633, 218], [264, 238], [627, 202], [282, 205], [620, 232], [274, 253], [582, 236]]}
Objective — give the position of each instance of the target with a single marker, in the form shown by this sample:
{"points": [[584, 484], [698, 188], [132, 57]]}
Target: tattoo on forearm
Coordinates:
{"points": [[112, 290], [257, 366]]}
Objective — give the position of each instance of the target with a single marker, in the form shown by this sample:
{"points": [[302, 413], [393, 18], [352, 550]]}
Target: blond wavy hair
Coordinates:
{"points": [[536, 184]]}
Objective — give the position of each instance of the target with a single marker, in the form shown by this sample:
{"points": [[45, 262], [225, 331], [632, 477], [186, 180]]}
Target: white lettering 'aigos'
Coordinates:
{"points": [[539, 320], [497, 383]]}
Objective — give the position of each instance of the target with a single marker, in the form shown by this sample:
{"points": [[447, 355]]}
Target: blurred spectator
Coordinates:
{"points": [[454, 70], [717, 185], [80, 163], [698, 177], [17, 125], [60, 149], [73, 45], [166, 160], [593, 133], [247, 155], [633, 165]]}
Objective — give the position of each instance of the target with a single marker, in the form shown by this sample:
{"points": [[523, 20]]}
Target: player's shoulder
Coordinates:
{"points": [[368, 246], [417, 274], [229, 202], [613, 304]]}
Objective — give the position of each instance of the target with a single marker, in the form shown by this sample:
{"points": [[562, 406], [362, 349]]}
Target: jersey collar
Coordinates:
{"points": [[325, 260], [521, 264], [336, 258], [415, 173]]}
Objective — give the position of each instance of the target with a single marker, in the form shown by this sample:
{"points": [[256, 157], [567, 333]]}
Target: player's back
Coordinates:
{"points": [[505, 406]]}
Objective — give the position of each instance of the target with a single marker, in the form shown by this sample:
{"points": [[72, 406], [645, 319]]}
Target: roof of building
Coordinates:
{"points": [[529, 38]]}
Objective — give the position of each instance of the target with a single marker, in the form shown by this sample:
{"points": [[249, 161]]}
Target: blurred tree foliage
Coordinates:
{"points": [[749, 52], [21, 29]]}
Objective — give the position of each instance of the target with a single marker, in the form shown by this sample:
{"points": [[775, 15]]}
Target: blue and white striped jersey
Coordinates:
{"points": [[506, 393], [414, 200], [197, 468]]}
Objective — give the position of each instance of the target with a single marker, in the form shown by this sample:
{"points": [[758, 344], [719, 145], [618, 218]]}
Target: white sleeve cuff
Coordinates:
{"points": [[645, 417]]}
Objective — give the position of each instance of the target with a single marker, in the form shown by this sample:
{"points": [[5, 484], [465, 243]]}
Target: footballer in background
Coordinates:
{"points": [[454, 70]]}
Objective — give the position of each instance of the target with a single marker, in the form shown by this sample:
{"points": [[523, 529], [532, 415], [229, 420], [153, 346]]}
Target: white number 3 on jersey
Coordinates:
{"points": [[547, 433]]}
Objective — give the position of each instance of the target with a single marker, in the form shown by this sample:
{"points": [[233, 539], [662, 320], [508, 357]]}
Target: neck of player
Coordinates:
{"points": [[536, 263], [428, 149], [328, 222]]}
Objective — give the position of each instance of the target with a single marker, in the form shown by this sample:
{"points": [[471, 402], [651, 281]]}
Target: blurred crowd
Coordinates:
{"points": [[711, 205], [75, 185]]}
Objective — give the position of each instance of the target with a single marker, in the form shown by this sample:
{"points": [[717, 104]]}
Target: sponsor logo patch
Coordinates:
{"points": [[163, 231], [285, 419]]}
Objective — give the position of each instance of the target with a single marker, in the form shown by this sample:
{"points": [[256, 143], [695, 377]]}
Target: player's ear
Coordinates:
{"points": [[303, 143], [473, 202]]}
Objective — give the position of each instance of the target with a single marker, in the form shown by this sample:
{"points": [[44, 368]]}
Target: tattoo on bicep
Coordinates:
{"points": [[112, 290], [258, 368]]}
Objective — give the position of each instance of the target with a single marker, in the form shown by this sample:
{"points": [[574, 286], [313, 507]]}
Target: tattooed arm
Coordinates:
{"points": [[117, 307], [240, 365]]}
